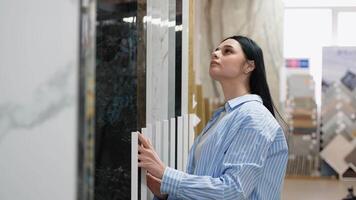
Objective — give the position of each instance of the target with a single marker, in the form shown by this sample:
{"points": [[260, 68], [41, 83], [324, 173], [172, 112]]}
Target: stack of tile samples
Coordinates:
{"points": [[338, 111], [338, 130], [172, 140], [301, 118]]}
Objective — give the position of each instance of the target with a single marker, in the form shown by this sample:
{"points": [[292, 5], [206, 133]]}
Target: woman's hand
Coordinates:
{"points": [[148, 158], [154, 184]]}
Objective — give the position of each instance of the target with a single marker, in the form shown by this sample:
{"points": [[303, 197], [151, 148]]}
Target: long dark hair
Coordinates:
{"points": [[258, 81]]}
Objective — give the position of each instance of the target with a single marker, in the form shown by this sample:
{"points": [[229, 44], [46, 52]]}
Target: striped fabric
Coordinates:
{"points": [[245, 158]]}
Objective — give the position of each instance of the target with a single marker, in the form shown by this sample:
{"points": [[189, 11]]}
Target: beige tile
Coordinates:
{"points": [[335, 152]]}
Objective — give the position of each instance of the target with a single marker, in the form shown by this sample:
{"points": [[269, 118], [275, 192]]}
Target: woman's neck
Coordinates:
{"points": [[234, 89]]}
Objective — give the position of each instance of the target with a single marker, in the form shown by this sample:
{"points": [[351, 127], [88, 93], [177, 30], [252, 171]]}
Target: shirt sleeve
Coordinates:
{"points": [[241, 169], [155, 198]]}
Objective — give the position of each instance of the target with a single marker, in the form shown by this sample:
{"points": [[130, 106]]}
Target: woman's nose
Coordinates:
{"points": [[214, 55]]}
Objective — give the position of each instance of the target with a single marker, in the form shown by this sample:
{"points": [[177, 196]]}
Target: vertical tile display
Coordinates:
{"points": [[338, 111], [165, 148], [301, 115], [162, 81], [120, 84]]}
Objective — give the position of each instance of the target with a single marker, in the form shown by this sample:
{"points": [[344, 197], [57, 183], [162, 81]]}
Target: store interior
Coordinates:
{"points": [[78, 78]]}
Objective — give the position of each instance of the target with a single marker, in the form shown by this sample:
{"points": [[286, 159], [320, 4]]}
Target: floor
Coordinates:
{"points": [[315, 189]]}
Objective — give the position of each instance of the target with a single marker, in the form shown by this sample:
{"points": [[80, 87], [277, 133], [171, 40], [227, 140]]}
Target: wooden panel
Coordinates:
{"points": [[200, 109], [206, 112]]}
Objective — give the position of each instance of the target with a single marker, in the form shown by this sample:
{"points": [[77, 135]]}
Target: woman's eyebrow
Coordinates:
{"points": [[227, 45]]}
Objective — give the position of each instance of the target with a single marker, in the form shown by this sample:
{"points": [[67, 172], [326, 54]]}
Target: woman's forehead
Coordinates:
{"points": [[230, 42]]}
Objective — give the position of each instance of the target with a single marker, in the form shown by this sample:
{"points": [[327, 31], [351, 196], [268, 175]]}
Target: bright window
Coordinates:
{"points": [[346, 29], [306, 31]]}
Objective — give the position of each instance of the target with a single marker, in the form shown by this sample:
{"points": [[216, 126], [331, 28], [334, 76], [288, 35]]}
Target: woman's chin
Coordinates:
{"points": [[214, 75]]}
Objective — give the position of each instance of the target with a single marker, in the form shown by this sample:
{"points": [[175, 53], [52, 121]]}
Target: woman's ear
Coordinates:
{"points": [[250, 66]]}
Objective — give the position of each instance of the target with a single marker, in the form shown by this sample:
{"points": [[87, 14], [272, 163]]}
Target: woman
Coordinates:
{"points": [[242, 152]]}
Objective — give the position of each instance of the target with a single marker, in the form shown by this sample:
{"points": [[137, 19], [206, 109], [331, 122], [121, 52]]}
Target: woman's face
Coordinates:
{"points": [[227, 61]]}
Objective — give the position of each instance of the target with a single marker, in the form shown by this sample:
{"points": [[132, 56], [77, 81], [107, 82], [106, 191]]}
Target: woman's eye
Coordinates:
{"points": [[227, 51]]}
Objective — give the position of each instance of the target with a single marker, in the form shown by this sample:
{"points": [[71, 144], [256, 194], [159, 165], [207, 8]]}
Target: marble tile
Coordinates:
{"points": [[39, 99], [160, 60], [118, 106], [161, 98]]}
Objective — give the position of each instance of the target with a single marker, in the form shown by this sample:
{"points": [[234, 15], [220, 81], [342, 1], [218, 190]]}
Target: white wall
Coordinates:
{"points": [[38, 99]]}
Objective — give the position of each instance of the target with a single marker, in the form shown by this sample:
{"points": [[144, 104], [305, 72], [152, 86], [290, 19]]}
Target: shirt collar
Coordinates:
{"points": [[233, 103]]}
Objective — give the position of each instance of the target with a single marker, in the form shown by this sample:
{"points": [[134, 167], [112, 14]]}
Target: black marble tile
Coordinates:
{"points": [[117, 104]]}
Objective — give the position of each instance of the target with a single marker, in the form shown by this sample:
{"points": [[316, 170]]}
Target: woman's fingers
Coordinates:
{"points": [[141, 164], [148, 158], [146, 142], [140, 158], [141, 149], [153, 177], [144, 151], [153, 185], [143, 141], [149, 142], [143, 158]]}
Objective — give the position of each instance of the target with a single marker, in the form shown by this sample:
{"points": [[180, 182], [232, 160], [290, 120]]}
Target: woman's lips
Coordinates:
{"points": [[213, 62]]}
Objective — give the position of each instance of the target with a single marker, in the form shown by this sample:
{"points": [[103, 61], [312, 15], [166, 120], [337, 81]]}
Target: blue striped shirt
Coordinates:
{"points": [[245, 157]]}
